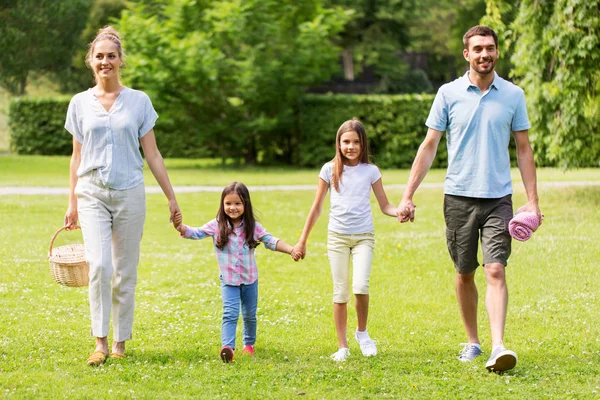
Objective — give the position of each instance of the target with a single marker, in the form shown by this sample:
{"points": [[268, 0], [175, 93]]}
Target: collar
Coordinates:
{"points": [[241, 225], [466, 82]]}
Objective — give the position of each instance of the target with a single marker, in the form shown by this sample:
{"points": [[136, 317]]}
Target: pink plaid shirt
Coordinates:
{"points": [[237, 264]]}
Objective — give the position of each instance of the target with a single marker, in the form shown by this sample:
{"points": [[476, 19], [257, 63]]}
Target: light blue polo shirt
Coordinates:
{"points": [[478, 128], [110, 140]]}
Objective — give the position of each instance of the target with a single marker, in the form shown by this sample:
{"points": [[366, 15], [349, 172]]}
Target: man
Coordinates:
{"points": [[478, 111]]}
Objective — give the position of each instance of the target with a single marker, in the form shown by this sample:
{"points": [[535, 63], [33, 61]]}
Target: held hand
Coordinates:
{"points": [[71, 217], [296, 256], [173, 209], [298, 252], [406, 211], [177, 220]]}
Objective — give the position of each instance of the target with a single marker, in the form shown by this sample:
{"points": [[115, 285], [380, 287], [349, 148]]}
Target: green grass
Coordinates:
{"points": [[54, 172], [552, 320]]}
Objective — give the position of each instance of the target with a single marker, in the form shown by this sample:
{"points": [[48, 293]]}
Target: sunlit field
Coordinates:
{"points": [[553, 284]]}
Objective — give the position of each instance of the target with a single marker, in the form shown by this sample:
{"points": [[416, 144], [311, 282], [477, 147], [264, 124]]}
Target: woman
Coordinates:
{"points": [[106, 193]]}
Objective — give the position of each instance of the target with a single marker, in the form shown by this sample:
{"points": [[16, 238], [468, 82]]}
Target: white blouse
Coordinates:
{"points": [[111, 139]]}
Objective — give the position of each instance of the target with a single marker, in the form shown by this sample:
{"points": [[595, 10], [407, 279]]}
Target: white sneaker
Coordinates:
{"points": [[501, 360], [341, 355], [367, 346]]}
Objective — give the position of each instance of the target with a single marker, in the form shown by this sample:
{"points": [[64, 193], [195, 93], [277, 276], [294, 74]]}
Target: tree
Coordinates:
{"points": [[227, 76], [37, 36], [374, 38], [436, 31], [556, 58], [78, 76]]}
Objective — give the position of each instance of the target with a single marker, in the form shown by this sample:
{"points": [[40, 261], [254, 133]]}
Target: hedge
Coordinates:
{"points": [[395, 126], [37, 126]]}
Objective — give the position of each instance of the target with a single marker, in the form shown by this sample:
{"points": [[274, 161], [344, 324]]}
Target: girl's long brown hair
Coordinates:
{"points": [[338, 161], [226, 224]]}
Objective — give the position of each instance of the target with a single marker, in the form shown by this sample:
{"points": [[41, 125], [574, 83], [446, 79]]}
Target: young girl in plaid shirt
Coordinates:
{"points": [[349, 177], [235, 235]]}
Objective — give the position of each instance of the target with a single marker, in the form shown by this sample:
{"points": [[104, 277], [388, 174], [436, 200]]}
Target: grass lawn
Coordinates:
{"points": [[553, 283], [54, 172]]}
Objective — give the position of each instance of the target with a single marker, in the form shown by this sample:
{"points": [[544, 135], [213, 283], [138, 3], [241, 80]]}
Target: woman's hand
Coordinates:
{"points": [[173, 210], [178, 222], [71, 217]]}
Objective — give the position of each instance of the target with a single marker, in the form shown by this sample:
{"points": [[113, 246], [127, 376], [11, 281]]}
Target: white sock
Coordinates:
{"points": [[362, 335]]}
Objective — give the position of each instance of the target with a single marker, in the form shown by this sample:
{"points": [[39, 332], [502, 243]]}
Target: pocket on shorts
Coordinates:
{"points": [[452, 245]]}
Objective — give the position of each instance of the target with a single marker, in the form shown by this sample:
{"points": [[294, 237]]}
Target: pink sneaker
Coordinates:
{"points": [[249, 350], [226, 354]]}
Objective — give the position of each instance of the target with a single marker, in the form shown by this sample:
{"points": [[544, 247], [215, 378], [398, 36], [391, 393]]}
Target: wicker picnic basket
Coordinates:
{"points": [[67, 263]]}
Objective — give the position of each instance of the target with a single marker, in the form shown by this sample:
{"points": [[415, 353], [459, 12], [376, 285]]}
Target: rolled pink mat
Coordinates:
{"points": [[523, 224]]}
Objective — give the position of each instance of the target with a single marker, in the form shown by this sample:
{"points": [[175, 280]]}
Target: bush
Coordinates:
{"points": [[37, 126], [395, 127]]}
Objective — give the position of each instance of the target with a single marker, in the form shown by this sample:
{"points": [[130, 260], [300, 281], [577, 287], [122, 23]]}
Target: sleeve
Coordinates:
{"points": [[209, 229], [261, 234], [375, 174], [520, 120], [325, 173], [149, 117], [71, 123], [438, 114]]}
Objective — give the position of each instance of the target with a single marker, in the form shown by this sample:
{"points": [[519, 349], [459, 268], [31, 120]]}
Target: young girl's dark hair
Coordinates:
{"points": [[226, 224], [338, 161]]}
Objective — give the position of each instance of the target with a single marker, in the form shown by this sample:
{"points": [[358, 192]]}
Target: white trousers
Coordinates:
{"points": [[112, 223], [340, 249]]}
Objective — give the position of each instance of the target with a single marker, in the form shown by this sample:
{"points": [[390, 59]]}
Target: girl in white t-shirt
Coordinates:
{"points": [[350, 176]]}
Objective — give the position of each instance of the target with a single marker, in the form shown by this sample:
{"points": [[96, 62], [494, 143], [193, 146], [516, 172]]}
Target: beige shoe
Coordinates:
{"points": [[96, 358]]}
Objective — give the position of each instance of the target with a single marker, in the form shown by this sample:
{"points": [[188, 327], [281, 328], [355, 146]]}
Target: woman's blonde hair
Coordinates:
{"points": [[106, 33]]}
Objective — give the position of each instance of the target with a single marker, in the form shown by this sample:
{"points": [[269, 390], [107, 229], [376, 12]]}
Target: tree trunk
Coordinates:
{"points": [[22, 84], [250, 156], [348, 64]]}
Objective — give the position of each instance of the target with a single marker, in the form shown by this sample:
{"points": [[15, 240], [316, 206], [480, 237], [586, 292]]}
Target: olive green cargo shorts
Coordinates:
{"points": [[467, 220]]}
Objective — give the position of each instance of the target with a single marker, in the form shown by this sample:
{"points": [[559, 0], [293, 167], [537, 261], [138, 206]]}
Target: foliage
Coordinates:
{"points": [[500, 14], [38, 36], [78, 76], [226, 76], [395, 127], [37, 126], [556, 60], [45, 340], [436, 31], [375, 36]]}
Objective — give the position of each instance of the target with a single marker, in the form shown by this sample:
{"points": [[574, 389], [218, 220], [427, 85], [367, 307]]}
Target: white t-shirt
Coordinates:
{"points": [[350, 211]]}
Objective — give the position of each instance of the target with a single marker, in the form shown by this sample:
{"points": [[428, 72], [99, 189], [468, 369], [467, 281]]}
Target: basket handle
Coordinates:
{"points": [[56, 234]]}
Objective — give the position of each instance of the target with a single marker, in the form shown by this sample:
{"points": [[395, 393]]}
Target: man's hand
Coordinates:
{"points": [[406, 211]]}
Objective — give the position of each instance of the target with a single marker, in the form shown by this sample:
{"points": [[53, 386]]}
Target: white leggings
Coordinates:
{"points": [[340, 247], [112, 223]]}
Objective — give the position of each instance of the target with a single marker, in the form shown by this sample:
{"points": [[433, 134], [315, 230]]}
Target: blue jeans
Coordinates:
{"points": [[233, 296]]}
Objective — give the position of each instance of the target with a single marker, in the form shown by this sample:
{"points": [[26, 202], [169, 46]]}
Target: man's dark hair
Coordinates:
{"points": [[479, 30]]}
